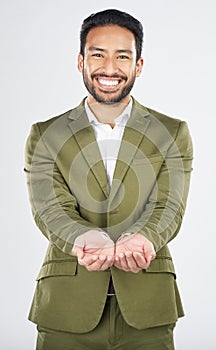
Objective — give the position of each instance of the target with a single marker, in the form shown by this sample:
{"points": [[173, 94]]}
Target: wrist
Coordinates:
{"points": [[125, 235]]}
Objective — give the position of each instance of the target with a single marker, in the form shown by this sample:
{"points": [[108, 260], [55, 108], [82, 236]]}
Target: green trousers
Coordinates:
{"points": [[112, 333]]}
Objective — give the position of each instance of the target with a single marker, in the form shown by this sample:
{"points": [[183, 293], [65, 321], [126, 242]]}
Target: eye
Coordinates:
{"points": [[123, 57], [98, 55]]}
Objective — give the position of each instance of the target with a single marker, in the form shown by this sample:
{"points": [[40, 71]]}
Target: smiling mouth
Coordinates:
{"points": [[109, 83]]}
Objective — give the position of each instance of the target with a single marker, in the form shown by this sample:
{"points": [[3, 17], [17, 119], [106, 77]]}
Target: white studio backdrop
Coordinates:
{"points": [[39, 79]]}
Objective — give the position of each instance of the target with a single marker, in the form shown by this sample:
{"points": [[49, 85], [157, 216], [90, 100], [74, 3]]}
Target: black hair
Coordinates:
{"points": [[112, 17]]}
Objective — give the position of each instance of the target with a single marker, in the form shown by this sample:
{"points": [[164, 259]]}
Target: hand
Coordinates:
{"points": [[94, 250], [134, 253]]}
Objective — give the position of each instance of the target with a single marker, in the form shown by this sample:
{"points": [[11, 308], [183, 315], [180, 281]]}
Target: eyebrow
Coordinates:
{"points": [[94, 48]]}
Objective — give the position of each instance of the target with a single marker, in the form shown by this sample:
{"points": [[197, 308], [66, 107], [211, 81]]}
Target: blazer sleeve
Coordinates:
{"points": [[54, 208], [163, 213]]}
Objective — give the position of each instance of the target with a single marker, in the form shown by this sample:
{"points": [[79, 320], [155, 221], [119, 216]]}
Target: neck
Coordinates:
{"points": [[107, 113]]}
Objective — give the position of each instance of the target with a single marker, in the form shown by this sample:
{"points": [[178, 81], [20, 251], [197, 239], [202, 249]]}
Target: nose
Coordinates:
{"points": [[110, 66]]}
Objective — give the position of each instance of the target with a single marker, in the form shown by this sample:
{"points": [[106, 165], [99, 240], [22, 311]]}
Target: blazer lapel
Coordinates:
{"points": [[85, 137], [134, 133]]}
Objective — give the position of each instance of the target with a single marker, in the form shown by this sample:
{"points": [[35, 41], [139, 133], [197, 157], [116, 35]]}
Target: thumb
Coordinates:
{"points": [[150, 253], [78, 251]]}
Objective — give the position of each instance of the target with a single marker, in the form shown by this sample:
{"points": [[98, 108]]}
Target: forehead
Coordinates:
{"points": [[111, 36]]}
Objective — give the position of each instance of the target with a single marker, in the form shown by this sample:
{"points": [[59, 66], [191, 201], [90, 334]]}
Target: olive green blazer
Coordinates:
{"points": [[69, 194]]}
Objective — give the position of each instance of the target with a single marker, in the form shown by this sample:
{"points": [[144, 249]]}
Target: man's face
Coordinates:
{"points": [[109, 65]]}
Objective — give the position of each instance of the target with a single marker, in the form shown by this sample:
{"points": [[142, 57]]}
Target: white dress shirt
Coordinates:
{"points": [[108, 138]]}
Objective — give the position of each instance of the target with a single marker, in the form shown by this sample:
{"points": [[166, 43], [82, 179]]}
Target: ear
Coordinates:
{"points": [[139, 65], [80, 62]]}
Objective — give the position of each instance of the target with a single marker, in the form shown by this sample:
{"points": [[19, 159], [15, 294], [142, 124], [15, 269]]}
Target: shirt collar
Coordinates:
{"points": [[122, 119]]}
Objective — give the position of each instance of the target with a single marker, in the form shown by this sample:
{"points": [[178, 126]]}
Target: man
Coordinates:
{"points": [[108, 184]]}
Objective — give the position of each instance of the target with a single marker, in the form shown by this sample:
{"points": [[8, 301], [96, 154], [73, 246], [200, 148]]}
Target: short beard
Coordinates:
{"points": [[122, 94]]}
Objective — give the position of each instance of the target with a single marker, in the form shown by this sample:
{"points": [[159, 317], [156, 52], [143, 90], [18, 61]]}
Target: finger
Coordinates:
{"points": [[87, 260], [122, 262], [110, 260], [140, 260], [78, 251], [131, 262], [106, 263], [116, 264], [99, 265], [150, 255]]}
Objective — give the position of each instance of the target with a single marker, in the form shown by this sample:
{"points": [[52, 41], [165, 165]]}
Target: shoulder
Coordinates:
{"points": [[164, 118], [61, 119], [170, 123]]}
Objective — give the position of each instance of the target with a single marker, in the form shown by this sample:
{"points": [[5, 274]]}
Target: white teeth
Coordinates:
{"points": [[108, 82]]}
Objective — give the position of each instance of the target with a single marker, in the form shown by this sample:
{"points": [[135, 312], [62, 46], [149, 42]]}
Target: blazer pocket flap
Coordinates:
{"points": [[161, 264], [67, 268]]}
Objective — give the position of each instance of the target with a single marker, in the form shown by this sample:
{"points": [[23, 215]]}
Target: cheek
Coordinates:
{"points": [[128, 69], [132, 73], [89, 68], [86, 68]]}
